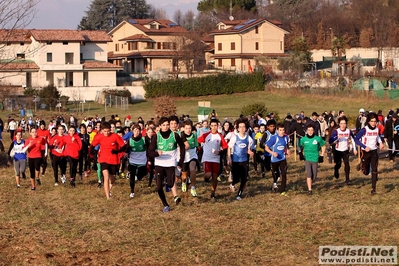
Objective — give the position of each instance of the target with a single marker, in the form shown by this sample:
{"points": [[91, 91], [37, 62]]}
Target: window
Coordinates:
{"points": [[174, 46], [219, 47], [49, 43], [22, 43], [49, 57], [221, 27], [256, 46], [153, 26], [233, 46], [20, 56], [281, 45], [233, 62], [256, 30], [158, 45], [220, 62], [150, 45], [166, 45], [116, 47], [8, 44], [132, 46], [64, 43]]}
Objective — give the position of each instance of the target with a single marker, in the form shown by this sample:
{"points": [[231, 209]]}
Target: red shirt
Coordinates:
{"points": [[35, 150], [73, 145], [59, 143], [107, 144], [45, 134]]}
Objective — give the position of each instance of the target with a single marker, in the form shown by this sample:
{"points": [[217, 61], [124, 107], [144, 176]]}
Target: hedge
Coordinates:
{"points": [[209, 85]]}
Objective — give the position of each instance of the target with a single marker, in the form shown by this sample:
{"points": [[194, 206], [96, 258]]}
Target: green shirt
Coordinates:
{"points": [[311, 147]]}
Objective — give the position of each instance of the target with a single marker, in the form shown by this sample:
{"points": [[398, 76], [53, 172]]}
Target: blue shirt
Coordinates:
{"points": [[277, 144]]}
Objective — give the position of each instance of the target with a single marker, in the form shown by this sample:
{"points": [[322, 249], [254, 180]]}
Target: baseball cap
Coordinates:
{"points": [[361, 110]]}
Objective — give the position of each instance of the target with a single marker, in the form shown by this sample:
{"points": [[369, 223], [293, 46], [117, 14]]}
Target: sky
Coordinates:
{"points": [[66, 14]]}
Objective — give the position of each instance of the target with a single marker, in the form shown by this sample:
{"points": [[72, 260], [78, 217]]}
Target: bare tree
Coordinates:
{"points": [[178, 17], [157, 13]]}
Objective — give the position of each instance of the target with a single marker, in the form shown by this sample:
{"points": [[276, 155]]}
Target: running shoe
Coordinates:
{"points": [[63, 179], [131, 195], [278, 179], [166, 209], [213, 196], [373, 192], [283, 193], [99, 185], [38, 181], [183, 187], [56, 184], [23, 176], [238, 198], [80, 177], [310, 192], [18, 186], [263, 175], [85, 173], [232, 188], [128, 176], [72, 182], [194, 193], [177, 200], [348, 183], [220, 177], [33, 188], [123, 175], [275, 187]]}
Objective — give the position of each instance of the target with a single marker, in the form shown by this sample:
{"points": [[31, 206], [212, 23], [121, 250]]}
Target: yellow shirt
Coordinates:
{"points": [[258, 137]]}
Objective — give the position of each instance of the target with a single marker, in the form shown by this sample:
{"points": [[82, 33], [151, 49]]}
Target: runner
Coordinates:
{"points": [[56, 145], [238, 150], [260, 152], [311, 145], [137, 146], [73, 145], [368, 138], [278, 146], [19, 157], [84, 163], [150, 160], [271, 130], [110, 145], [213, 143], [34, 144], [342, 138], [45, 134], [391, 136], [190, 158], [163, 148]]}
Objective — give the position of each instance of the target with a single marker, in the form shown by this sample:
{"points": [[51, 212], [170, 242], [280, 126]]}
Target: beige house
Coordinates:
{"points": [[238, 43], [64, 58], [143, 45]]}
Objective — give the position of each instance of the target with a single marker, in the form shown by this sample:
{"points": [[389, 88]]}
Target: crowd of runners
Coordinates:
{"points": [[174, 149]]}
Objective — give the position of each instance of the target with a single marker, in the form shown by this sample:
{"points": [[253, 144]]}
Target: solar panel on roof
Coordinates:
{"points": [[173, 24], [250, 21], [132, 21], [238, 27]]}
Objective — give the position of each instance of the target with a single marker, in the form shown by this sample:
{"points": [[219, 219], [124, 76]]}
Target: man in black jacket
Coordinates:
{"points": [[391, 135]]}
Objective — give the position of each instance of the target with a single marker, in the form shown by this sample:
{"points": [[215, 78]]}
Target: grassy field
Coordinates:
{"points": [[78, 226]]}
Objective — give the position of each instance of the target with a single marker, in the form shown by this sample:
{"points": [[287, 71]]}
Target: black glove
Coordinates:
{"points": [[321, 159], [114, 152]]}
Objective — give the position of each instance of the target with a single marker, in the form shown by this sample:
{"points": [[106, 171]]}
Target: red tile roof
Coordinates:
{"points": [[145, 54], [57, 35], [99, 64], [138, 37], [95, 35], [166, 26], [23, 65], [14, 36], [208, 38], [241, 25]]}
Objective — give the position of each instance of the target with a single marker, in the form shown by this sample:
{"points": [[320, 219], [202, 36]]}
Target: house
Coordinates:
{"points": [[64, 58], [143, 45], [239, 43]]}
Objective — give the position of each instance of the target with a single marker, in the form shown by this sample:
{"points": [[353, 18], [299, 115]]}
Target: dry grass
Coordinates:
{"points": [[78, 226]]}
